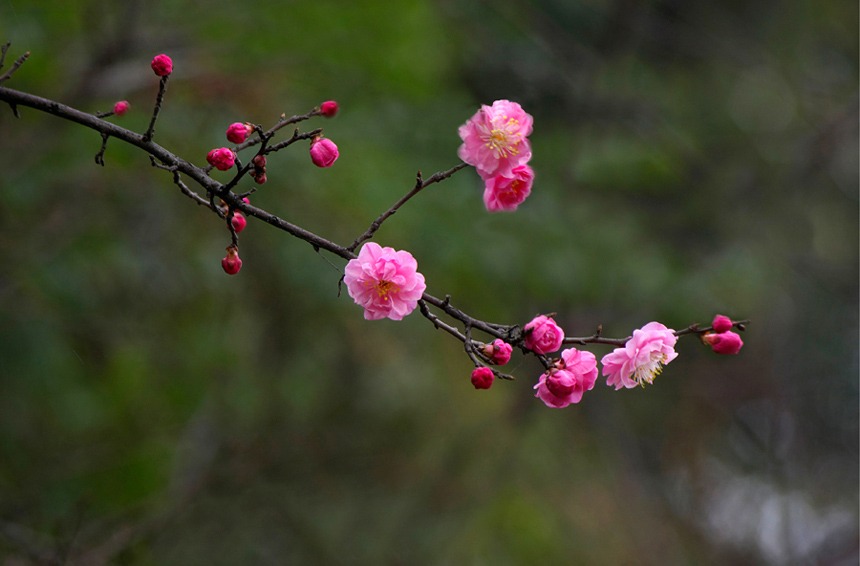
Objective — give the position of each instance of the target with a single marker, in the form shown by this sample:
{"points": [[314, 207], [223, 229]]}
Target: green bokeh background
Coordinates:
{"points": [[691, 158]]}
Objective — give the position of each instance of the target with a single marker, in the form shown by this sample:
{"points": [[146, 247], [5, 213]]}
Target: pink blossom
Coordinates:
{"points": [[561, 386], [482, 377], [642, 358], [494, 139], [384, 281], [238, 132], [722, 323], [323, 152], [238, 221], [231, 264], [221, 159], [499, 352], [121, 107], [162, 65], [507, 192], [726, 343], [543, 335], [329, 108]]}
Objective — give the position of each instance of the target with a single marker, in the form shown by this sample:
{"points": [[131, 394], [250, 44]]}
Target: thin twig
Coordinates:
{"points": [[18, 62], [100, 156], [162, 86], [284, 121], [419, 185]]}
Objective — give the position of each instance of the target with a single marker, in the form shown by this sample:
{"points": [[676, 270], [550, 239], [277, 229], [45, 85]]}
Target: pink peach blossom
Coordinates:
{"points": [[642, 358], [482, 377], [494, 139], [543, 335], [162, 65], [384, 281], [722, 323], [725, 343], [221, 159], [507, 192], [324, 152], [499, 352], [561, 386]]}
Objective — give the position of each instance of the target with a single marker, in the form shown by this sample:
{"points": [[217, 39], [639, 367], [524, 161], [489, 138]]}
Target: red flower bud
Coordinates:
{"points": [[232, 264], [722, 323], [222, 158], [162, 65], [324, 152], [238, 222], [329, 108], [725, 343], [121, 107], [482, 377]]}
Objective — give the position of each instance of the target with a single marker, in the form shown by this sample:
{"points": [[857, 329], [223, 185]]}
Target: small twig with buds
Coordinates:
{"points": [[420, 184], [18, 62]]}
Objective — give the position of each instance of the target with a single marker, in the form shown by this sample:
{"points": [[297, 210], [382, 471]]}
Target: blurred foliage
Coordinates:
{"points": [[692, 158]]}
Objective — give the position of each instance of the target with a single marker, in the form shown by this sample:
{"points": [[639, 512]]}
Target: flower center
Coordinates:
{"points": [[514, 189], [650, 369], [503, 138], [383, 288]]}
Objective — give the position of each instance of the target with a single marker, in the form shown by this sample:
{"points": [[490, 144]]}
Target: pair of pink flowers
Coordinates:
{"points": [[640, 360], [495, 142]]}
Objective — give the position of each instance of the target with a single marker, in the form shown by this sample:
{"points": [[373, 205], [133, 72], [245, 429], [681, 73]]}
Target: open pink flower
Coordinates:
{"points": [[383, 281], [507, 192], [561, 386], [543, 335], [642, 358], [494, 139]]}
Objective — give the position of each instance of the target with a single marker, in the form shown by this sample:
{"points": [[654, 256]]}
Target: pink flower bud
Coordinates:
{"points": [[261, 178], [722, 323], [232, 264], [725, 343], [499, 352], [543, 335], [162, 65], [238, 222], [239, 132], [482, 377], [121, 107], [323, 152], [260, 161], [329, 108], [222, 159]]}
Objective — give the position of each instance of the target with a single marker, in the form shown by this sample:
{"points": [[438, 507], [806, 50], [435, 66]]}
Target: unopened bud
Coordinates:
{"points": [[121, 107], [329, 108], [162, 65], [232, 264]]}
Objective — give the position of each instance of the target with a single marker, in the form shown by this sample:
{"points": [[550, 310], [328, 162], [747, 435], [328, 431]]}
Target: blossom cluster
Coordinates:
{"points": [[495, 142]]}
